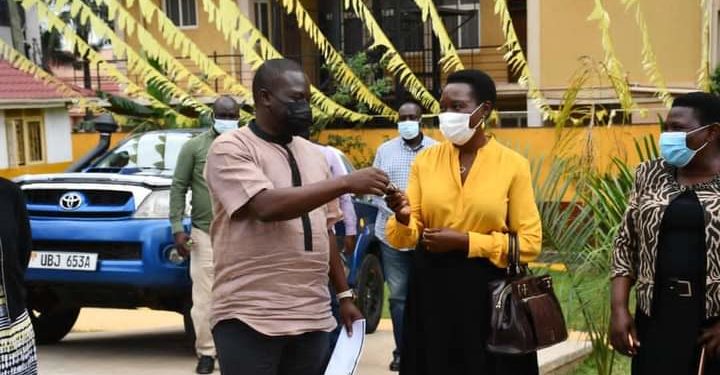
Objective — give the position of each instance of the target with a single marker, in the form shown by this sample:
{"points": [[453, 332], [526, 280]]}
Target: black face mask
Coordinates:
{"points": [[299, 118]]}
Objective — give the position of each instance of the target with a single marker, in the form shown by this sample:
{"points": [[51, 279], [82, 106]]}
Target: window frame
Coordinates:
{"points": [[4, 14], [459, 6], [12, 144], [180, 24], [269, 20]]}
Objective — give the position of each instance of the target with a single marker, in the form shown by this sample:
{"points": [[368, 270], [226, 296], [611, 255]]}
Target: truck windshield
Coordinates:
{"points": [[150, 151]]}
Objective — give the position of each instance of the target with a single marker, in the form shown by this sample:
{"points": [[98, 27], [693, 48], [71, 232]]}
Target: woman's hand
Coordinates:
{"points": [[442, 240], [398, 202], [622, 332], [710, 338]]}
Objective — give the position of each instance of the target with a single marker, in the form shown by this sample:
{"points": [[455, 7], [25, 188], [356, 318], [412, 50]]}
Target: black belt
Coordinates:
{"points": [[681, 288], [294, 170]]}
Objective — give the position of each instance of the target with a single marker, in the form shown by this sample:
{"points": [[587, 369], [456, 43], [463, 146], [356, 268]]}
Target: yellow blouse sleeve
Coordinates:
{"points": [[401, 236], [524, 219]]}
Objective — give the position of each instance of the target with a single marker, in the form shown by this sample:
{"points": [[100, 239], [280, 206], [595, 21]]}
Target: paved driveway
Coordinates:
{"points": [[140, 342], [148, 342]]}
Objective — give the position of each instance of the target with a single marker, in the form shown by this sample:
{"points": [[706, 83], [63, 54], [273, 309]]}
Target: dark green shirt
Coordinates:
{"points": [[189, 174]]}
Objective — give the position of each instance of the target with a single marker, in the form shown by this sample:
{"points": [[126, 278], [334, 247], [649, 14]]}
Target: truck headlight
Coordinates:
{"points": [[155, 206], [173, 256]]}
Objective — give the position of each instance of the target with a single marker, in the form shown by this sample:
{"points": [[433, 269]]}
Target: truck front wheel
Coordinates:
{"points": [[370, 291], [51, 326]]}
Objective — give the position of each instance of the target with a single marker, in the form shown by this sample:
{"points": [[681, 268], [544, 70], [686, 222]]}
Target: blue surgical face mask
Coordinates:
{"points": [[223, 126], [674, 149], [409, 129]]}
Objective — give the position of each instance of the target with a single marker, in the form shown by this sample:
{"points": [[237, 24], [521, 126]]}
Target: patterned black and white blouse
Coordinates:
{"points": [[636, 244]]}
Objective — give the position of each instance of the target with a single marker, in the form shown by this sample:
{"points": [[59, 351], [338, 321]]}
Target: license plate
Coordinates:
{"points": [[61, 260]]}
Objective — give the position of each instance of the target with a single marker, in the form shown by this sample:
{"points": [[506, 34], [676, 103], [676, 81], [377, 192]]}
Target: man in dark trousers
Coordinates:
{"points": [[275, 201]]}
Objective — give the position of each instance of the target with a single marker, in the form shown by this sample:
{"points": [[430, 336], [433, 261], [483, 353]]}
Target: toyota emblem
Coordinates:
{"points": [[71, 201]]}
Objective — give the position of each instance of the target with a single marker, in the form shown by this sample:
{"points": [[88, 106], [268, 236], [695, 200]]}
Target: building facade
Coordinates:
{"points": [[35, 125]]}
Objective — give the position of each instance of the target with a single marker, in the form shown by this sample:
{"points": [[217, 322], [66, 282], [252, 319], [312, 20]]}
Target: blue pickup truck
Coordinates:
{"points": [[102, 238]]}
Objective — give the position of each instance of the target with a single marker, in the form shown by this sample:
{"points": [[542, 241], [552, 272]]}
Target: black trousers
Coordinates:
{"points": [[447, 319], [669, 338], [243, 351]]}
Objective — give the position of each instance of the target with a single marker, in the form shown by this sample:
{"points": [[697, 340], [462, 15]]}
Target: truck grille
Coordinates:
{"points": [[105, 250], [79, 214], [94, 197]]}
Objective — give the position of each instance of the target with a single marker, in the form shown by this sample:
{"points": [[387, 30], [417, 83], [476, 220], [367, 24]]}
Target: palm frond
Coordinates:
{"points": [[335, 62], [396, 65], [615, 70]]}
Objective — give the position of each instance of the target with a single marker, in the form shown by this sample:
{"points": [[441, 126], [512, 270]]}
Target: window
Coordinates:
{"points": [[4, 13], [183, 13], [352, 30], [262, 17], [26, 140], [462, 21], [151, 151], [402, 23]]}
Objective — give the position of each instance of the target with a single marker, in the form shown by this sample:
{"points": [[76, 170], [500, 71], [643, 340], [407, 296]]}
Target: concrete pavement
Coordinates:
{"points": [[140, 342], [145, 342]]}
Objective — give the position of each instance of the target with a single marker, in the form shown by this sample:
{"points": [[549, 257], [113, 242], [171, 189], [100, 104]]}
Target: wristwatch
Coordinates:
{"points": [[346, 294]]}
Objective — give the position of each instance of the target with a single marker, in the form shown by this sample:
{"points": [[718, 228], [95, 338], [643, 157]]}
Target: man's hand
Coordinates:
{"points": [[443, 240], [181, 243], [398, 202], [367, 181], [710, 338], [622, 332], [349, 313], [350, 245]]}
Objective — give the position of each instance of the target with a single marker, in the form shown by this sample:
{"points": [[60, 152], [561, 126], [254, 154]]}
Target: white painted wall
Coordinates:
{"points": [[32, 34], [58, 135], [5, 35], [3, 142]]}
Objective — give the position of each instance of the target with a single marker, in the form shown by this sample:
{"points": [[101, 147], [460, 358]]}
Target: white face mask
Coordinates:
{"points": [[456, 126], [409, 129], [223, 126]]}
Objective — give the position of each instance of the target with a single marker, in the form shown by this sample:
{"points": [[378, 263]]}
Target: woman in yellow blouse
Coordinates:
{"points": [[464, 196]]}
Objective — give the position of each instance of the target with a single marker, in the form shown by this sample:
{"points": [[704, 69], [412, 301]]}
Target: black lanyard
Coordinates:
{"points": [[295, 171]]}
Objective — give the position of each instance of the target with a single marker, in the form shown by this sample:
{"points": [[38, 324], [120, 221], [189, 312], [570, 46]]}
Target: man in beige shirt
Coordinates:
{"points": [[274, 202]]}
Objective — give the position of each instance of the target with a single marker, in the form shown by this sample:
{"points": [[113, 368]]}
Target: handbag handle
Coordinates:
{"points": [[513, 267]]}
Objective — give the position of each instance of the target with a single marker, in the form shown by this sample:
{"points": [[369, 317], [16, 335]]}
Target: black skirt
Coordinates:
{"points": [[669, 337], [447, 319]]}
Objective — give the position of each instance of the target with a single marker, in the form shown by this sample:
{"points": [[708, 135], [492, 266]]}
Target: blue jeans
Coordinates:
{"points": [[396, 266]]}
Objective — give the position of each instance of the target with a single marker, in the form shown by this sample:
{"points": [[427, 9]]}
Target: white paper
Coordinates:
{"points": [[346, 356]]}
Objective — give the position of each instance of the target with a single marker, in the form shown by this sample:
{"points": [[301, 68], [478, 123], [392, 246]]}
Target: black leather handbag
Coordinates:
{"points": [[526, 315]]}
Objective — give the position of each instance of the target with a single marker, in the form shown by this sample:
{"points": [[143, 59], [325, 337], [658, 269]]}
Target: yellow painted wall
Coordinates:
{"points": [[616, 141], [34, 169], [205, 35], [490, 30], [210, 40], [82, 144], [566, 35]]}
